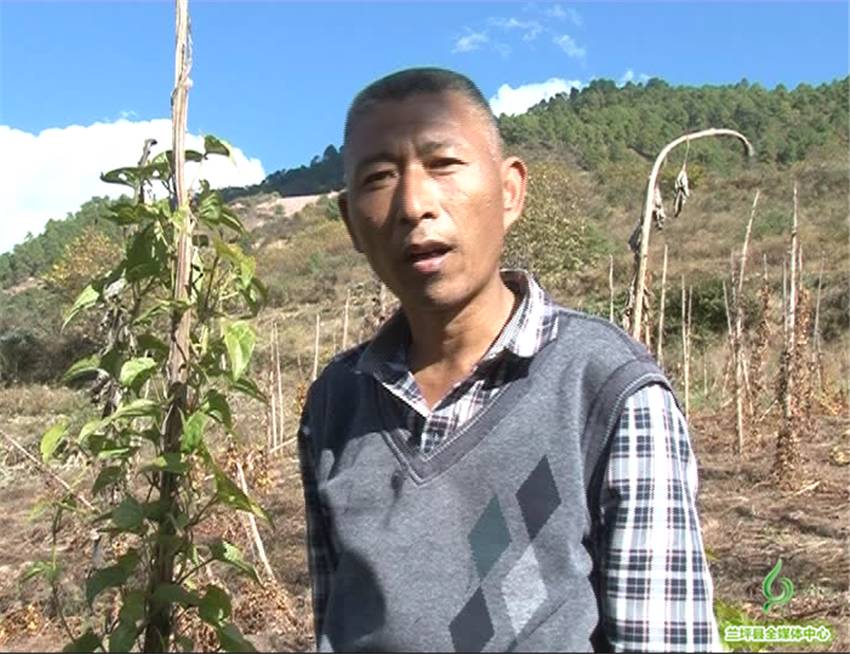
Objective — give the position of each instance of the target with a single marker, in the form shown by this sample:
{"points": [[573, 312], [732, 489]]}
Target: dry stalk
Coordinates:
{"points": [[738, 337], [659, 345], [611, 287], [686, 344], [787, 442], [817, 355], [728, 362], [762, 339], [654, 209]]}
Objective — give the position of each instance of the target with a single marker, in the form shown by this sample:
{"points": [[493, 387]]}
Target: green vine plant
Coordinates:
{"points": [[151, 492]]}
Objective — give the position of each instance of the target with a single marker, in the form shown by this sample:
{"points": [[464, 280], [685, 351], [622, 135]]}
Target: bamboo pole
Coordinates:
{"points": [[635, 310], [160, 615], [611, 287], [659, 346]]}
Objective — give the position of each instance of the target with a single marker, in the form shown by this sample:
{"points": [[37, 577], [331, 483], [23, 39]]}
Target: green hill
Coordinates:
{"points": [[589, 154]]}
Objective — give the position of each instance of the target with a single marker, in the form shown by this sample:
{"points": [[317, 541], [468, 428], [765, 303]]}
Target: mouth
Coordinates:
{"points": [[427, 257]]}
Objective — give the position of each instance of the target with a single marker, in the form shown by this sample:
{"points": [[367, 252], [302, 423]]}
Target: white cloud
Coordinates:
{"points": [[556, 11], [529, 28], [561, 13], [575, 17], [50, 174], [470, 42], [513, 101], [568, 45], [629, 76], [503, 49]]}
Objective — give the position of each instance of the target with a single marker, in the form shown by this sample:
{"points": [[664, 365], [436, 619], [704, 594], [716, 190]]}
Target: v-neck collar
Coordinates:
{"points": [[424, 467]]}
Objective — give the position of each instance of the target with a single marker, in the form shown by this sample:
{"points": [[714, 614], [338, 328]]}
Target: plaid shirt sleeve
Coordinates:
{"points": [[657, 590], [319, 551]]}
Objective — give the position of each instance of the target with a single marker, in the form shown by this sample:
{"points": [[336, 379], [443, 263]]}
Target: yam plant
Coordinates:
{"points": [[177, 345]]}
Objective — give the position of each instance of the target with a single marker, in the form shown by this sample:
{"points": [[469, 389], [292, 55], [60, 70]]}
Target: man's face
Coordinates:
{"points": [[428, 198]]}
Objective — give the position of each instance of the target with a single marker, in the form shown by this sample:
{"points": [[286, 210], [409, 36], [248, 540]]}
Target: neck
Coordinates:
{"points": [[451, 341]]}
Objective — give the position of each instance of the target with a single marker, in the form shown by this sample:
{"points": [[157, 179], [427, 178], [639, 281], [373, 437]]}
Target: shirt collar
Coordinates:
{"points": [[530, 328]]}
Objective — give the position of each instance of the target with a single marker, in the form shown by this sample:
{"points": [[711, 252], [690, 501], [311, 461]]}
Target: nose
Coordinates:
{"points": [[416, 196]]}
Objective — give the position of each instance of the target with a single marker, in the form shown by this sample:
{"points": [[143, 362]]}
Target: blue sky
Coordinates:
{"points": [[275, 78]]}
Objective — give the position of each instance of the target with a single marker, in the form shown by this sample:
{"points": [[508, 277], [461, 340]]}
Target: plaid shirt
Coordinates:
{"points": [[657, 590]]}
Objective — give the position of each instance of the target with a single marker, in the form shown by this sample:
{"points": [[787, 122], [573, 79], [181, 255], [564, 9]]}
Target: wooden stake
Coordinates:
{"points": [[685, 347], [792, 276], [160, 615], [345, 319], [272, 409], [738, 339], [659, 346], [816, 330], [316, 349], [279, 379], [252, 524], [787, 438], [784, 299], [730, 359], [688, 332], [47, 471], [382, 298]]}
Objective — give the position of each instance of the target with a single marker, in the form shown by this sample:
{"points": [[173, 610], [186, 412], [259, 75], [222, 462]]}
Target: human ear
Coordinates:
{"points": [[514, 181], [342, 201]]}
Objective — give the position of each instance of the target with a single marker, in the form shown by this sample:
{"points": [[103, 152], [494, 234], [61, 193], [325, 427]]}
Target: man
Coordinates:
{"points": [[490, 471]]}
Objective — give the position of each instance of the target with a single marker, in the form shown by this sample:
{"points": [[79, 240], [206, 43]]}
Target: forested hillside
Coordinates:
{"points": [[604, 124], [589, 154]]}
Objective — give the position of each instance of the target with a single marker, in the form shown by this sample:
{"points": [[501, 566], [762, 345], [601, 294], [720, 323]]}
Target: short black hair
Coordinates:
{"points": [[404, 83]]}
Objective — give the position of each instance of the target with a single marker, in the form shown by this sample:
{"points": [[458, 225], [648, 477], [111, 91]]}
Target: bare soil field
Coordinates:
{"points": [[748, 524]]}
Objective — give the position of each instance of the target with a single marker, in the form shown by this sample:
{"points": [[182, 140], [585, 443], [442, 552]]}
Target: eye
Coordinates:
{"points": [[376, 176], [445, 162]]}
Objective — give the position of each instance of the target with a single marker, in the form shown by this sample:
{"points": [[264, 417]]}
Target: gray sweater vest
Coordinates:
{"points": [[490, 543]]}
